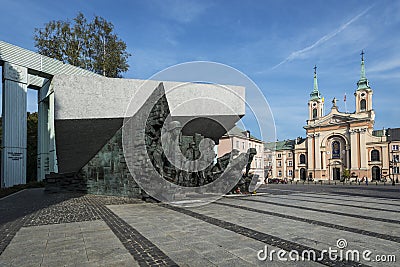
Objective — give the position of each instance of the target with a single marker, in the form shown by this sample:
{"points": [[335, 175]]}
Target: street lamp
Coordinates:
{"points": [[394, 162], [390, 161], [393, 165]]}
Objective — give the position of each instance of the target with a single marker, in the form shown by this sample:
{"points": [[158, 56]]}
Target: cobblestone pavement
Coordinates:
{"points": [[38, 229]]}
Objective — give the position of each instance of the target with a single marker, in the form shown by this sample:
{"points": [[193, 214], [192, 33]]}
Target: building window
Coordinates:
{"points": [[279, 163], [279, 155], [396, 158], [395, 147], [237, 144], [375, 155], [335, 150], [290, 163], [396, 170], [279, 173], [269, 163], [244, 146], [314, 113], [302, 159], [290, 173], [289, 154], [363, 105]]}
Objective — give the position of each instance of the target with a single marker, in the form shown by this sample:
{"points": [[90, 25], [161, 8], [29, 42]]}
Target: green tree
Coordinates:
{"points": [[346, 174], [90, 45]]}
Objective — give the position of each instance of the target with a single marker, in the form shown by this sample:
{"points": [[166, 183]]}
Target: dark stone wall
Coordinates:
{"points": [[66, 182], [107, 173]]}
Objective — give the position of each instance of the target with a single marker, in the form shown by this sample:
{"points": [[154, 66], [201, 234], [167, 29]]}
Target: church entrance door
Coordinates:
{"points": [[376, 173], [303, 174], [336, 173]]}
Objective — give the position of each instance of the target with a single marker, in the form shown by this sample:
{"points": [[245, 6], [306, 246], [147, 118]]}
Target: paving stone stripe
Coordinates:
{"points": [[193, 242], [143, 250], [352, 187], [374, 201], [344, 193], [263, 237], [324, 211], [336, 193], [67, 208], [330, 225], [337, 207], [348, 195], [332, 203], [312, 235], [67, 244], [33, 207]]}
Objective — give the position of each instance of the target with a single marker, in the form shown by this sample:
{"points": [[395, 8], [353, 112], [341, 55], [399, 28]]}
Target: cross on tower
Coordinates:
{"points": [[315, 69], [362, 55]]}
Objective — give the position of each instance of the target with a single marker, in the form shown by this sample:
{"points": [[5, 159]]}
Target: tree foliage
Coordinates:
{"points": [[32, 140], [90, 45], [346, 174]]}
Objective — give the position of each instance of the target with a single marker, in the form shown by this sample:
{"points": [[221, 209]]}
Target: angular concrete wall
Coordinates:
{"points": [[89, 111]]}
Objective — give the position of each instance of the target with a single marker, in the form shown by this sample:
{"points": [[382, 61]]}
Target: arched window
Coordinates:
{"points": [[363, 105], [302, 159], [335, 150], [314, 113], [375, 155]]}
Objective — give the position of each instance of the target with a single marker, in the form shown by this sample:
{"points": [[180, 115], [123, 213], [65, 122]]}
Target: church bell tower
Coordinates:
{"points": [[364, 92], [316, 102]]}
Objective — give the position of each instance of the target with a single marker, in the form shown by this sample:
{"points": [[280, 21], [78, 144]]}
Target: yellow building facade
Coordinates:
{"points": [[338, 144], [241, 141]]}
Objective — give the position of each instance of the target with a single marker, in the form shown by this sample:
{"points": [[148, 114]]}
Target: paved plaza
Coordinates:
{"points": [[40, 229]]}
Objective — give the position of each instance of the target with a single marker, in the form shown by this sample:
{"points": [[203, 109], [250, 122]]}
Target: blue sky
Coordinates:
{"points": [[275, 43]]}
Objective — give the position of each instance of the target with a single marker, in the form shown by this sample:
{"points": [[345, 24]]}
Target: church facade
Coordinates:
{"points": [[338, 144]]}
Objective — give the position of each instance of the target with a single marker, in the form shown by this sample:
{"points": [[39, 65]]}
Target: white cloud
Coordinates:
{"points": [[323, 39], [385, 76], [385, 65]]}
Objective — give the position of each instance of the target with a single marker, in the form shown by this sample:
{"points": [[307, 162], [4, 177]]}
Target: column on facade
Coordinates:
{"points": [[317, 152], [311, 152], [363, 150], [323, 158], [385, 158], [14, 126], [348, 156]]}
